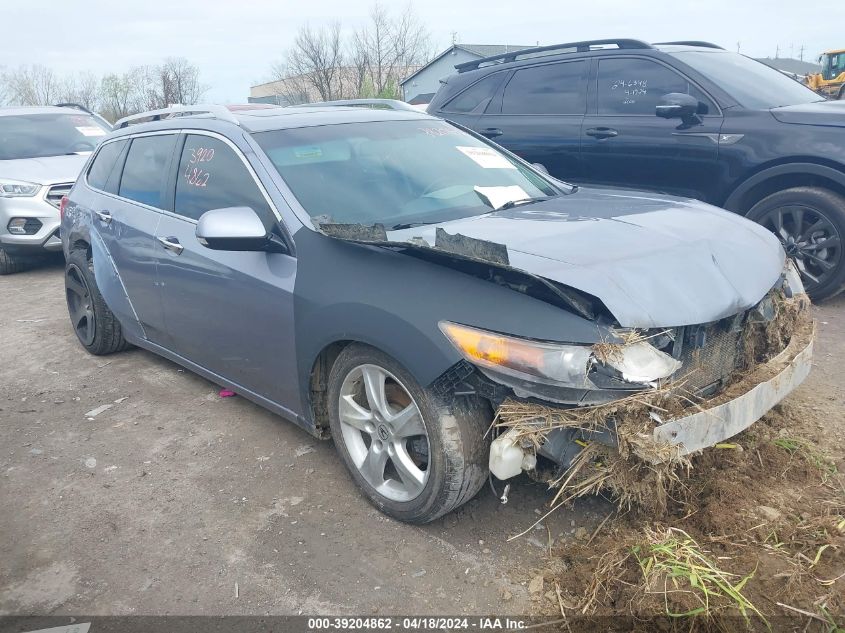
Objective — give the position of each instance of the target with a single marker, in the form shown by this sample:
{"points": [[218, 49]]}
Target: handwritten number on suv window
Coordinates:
{"points": [[195, 175]]}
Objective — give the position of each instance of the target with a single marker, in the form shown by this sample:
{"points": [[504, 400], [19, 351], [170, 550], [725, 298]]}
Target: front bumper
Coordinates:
{"points": [[750, 399], [46, 239]]}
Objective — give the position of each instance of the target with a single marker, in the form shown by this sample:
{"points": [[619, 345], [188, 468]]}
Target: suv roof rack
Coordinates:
{"points": [[690, 43], [580, 47], [206, 111], [375, 104]]}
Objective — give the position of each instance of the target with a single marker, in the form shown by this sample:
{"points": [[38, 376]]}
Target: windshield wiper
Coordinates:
{"points": [[523, 201], [410, 225]]}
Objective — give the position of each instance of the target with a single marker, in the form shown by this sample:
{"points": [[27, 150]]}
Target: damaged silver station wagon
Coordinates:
{"points": [[393, 281]]}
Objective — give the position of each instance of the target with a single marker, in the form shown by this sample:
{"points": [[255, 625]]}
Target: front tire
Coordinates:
{"points": [[810, 223], [10, 264], [415, 455], [93, 322]]}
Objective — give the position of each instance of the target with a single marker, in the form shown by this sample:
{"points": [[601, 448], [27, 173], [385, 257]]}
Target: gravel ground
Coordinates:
{"points": [[171, 500]]}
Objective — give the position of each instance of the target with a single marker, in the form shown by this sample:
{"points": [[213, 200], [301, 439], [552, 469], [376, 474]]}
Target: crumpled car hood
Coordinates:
{"points": [[47, 170], [655, 261]]}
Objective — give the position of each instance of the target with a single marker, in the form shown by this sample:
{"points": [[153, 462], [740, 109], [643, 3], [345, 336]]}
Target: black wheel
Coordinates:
{"points": [[841, 93], [414, 455], [95, 325], [10, 265], [810, 223]]}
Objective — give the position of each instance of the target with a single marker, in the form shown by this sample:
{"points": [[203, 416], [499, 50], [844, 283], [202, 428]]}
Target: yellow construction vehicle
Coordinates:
{"points": [[830, 82]]}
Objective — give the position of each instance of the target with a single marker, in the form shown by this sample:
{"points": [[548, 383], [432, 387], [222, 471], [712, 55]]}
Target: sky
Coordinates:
{"points": [[235, 43]]}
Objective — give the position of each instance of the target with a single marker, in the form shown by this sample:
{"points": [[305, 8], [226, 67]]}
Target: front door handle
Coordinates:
{"points": [[171, 244], [491, 132], [602, 132], [104, 217]]}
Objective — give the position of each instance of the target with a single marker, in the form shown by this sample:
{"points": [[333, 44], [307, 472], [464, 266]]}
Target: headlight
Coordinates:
{"points": [[555, 364], [547, 363], [18, 189]]}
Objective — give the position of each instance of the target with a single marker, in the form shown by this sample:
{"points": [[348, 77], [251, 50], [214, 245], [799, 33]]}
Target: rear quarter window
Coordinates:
{"points": [[104, 164], [477, 97]]}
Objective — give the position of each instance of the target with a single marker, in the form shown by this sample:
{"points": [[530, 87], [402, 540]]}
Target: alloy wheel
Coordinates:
{"points": [[810, 238], [384, 432], [80, 304]]}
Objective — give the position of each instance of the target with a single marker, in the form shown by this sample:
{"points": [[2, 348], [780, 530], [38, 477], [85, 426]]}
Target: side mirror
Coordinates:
{"points": [[236, 229], [540, 167], [678, 105]]}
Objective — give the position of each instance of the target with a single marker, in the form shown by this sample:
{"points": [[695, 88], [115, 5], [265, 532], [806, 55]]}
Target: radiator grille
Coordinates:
{"points": [[707, 365]]}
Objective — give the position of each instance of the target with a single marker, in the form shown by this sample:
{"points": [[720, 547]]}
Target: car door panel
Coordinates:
{"points": [[625, 144], [127, 229], [231, 312], [538, 116]]}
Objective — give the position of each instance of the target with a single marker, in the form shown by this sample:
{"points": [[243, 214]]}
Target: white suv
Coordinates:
{"points": [[42, 150]]}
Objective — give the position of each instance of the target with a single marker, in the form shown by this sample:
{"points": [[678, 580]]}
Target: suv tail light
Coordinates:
{"points": [[62, 206]]}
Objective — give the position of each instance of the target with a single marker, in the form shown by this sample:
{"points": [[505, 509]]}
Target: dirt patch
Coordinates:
{"points": [[759, 539]]}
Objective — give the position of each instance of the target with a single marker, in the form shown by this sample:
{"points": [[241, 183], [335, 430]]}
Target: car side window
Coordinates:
{"points": [[476, 96], [212, 176], [635, 86], [104, 163], [547, 89], [145, 170]]}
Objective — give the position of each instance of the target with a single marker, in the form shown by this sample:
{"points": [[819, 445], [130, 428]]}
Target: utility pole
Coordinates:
{"points": [[737, 46], [777, 51], [801, 53]]}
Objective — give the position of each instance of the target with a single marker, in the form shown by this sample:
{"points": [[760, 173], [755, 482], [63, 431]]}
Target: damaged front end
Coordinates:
{"points": [[724, 377]]}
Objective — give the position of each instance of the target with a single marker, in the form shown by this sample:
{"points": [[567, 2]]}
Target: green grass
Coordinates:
{"points": [[674, 557]]}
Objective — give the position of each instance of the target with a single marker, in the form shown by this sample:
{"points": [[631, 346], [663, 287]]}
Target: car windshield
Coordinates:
{"points": [[48, 134], [398, 172], [751, 83]]}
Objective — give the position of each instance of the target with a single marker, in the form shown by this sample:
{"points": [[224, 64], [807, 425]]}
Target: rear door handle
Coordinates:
{"points": [[602, 132], [171, 244], [491, 132], [104, 216]]}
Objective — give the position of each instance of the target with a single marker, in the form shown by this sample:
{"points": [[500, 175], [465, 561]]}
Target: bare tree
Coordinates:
{"points": [[82, 89], [392, 48], [314, 65], [31, 85], [119, 95]]}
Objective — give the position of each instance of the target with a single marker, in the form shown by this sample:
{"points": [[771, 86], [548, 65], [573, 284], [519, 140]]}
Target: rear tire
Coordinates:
{"points": [[810, 223], [10, 264], [96, 327], [449, 472]]}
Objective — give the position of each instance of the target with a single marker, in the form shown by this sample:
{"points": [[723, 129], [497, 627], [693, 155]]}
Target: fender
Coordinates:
{"points": [[112, 289], [733, 203]]}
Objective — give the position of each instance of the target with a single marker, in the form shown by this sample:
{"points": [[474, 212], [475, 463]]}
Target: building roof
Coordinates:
{"points": [[787, 64], [479, 50]]}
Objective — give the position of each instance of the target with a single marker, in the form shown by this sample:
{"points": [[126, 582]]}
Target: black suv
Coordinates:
{"points": [[688, 118]]}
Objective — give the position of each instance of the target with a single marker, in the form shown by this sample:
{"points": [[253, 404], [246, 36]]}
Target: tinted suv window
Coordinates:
{"points": [[103, 165], [212, 176], [472, 97], [635, 86], [145, 170], [549, 89]]}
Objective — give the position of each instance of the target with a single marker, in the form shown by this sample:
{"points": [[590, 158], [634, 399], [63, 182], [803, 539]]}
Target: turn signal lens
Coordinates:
{"points": [[534, 361]]}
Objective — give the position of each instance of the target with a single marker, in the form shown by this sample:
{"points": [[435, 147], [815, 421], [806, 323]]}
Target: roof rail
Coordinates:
{"points": [[580, 47], [690, 43], [209, 111], [375, 104]]}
